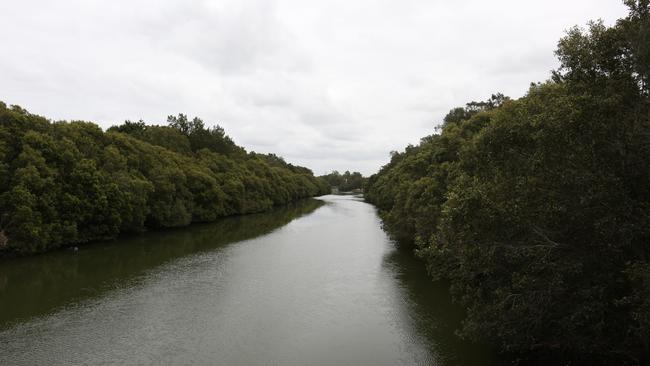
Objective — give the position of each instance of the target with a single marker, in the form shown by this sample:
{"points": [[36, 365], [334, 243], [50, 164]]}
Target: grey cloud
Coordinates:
{"points": [[330, 85]]}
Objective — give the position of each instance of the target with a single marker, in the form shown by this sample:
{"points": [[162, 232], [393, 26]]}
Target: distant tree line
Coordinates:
{"points": [[537, 210], [65, 183], [345, 182]]}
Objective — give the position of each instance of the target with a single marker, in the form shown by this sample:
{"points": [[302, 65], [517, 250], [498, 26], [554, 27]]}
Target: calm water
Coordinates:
{"points": [[317, 283]]}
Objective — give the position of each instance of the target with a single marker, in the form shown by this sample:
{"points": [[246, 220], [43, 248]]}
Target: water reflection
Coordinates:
{"points": [[38, 285], [328, 288], [427, 308]]}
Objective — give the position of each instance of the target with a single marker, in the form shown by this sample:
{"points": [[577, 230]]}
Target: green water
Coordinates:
{"points": [[316, 283]]}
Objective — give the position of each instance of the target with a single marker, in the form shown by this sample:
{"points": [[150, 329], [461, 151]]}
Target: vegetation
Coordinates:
{"points": [[345, 182], [64, 183], [537, 210]]}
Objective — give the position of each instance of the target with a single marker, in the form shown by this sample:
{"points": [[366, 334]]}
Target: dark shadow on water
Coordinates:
{"points": [[431, 312], [35, 286]]}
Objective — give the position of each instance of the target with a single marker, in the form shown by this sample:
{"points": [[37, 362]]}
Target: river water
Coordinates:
{"points": [[314, 283]]}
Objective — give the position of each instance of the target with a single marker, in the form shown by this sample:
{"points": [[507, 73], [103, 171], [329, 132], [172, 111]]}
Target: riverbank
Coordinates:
{"points": [[8, 256]]}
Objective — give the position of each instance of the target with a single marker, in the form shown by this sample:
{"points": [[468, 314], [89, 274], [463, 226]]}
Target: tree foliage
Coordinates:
{"points": [[65, 183], [345, 182], [537, 210]]}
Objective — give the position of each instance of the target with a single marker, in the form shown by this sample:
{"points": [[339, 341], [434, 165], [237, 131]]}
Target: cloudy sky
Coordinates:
{"points": [[332, 84]]}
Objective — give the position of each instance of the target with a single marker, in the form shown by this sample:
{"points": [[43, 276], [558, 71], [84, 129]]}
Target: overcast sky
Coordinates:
{"points": [[328, 84]]}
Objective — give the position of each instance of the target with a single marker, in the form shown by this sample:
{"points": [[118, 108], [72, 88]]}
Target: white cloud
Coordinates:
{"points": [[326, 84]]}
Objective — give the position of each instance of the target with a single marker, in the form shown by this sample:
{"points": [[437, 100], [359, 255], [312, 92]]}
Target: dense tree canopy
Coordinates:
{"points": [[345, 182], [65, 183], [537, 210]]}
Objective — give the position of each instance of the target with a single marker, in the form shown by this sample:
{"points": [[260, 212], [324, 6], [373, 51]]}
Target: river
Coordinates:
{"points": [[314, 283]]}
